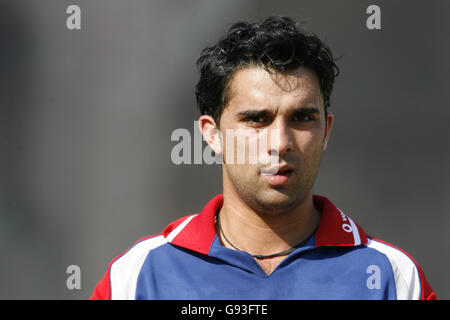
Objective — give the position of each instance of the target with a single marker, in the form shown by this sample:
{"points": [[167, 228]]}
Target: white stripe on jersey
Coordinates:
{"points": [[406, 275], [177, 230], [125, 270], [130, 264], [355, 231], [356, 237]]}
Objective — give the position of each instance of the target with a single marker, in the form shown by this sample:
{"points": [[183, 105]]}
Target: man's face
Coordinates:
{"points": [[282, 119]]}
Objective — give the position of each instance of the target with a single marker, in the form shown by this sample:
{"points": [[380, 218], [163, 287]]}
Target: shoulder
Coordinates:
{"points": [[119, 281], [125, 269], [410, 280]]}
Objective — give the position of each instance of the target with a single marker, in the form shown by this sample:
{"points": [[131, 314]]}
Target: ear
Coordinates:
{"points": [[329, 125], [210, 133]]}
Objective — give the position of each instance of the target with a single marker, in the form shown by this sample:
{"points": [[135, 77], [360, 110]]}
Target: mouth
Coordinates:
{"points": [[278, 175], [280, 169]]}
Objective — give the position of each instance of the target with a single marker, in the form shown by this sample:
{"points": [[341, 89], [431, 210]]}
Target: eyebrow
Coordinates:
{"points": [[266, 112], [307, 110], [253, 113]]}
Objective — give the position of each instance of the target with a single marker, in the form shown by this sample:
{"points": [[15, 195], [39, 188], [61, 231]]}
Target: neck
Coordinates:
{"points": [[260, 234]]}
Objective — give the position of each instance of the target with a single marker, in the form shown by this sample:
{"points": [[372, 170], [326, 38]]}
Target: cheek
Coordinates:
{"points": [[310, 143], [243, 177], [242, 146]]}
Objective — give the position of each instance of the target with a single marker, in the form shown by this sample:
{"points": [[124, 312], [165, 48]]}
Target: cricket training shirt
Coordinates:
{"points": [[187, 261]]}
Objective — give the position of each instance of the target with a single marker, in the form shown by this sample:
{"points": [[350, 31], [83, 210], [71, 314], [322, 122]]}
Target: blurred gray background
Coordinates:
{"points": [[86, 118]]}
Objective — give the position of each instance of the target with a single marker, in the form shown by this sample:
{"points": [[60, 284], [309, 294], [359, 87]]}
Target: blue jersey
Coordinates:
{"points": [[188, 261]]}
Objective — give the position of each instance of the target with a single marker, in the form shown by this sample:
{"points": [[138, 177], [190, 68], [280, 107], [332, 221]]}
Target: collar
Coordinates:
{"points": [[197, 232]]}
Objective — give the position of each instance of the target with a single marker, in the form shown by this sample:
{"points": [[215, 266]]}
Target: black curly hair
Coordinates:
{"points": [[278, 44]]}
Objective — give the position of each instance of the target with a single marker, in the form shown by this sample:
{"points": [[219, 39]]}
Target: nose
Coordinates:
{"points": [[281, 139]]}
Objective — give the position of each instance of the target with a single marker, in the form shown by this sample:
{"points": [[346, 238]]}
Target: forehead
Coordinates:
{"points": [[254, 86]]}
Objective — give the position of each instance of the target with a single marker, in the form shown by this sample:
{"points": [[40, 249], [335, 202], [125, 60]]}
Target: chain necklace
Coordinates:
{"points": [[259, 256]]}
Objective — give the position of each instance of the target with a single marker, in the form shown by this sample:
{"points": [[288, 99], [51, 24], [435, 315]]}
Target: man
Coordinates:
{"points": [[267, 236]]}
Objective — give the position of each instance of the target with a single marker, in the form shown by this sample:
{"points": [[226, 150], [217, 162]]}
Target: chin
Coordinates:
{"points": [[276, 202]]}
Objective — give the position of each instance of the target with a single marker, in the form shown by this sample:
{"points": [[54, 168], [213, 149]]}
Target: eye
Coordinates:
{"points": [[302, 117], [256, 119]]}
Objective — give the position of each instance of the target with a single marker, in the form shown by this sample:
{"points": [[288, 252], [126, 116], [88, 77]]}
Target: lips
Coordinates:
{"points": [[283, 169], [277, 175]]}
